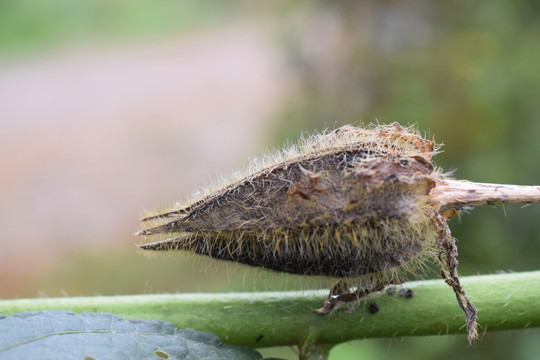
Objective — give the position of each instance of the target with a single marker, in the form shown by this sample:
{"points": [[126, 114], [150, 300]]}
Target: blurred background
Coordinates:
{"points": [[108, 108]]}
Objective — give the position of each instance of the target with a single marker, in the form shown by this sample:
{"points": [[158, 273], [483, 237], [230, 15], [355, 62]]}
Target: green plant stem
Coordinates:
{"points": [[504, 301]]}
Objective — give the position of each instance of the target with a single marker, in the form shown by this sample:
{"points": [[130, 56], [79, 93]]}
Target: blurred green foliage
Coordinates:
{"points": [[27, 25]]}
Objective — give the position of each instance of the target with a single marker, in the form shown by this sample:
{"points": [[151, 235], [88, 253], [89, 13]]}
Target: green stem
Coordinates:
{"points": [[504, 301]]}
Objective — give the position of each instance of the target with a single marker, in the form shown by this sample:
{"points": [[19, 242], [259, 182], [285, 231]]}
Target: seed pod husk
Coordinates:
{"points": [[356, 204]]}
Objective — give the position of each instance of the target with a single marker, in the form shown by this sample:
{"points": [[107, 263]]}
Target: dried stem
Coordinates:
{"points": [[457, 194], [448, 258]]}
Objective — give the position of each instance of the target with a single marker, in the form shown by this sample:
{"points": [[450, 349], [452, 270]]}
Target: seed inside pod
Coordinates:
{"points": [[354, 204]]}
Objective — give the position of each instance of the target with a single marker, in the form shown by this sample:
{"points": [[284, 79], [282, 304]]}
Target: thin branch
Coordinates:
{"points": [[504, 301], [456, 194]]}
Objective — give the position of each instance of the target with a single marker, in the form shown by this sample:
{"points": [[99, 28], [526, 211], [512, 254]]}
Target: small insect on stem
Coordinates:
{"points": [[361, 205]]}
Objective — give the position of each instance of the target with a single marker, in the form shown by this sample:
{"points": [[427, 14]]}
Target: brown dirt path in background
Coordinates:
{"points": [[91, 137]]}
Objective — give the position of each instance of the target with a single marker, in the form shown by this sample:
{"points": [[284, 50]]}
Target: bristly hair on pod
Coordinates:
{"points": [[354, 204]]}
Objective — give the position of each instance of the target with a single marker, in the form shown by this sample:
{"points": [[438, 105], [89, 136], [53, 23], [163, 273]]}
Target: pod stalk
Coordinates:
{"points": [[459, 194]]}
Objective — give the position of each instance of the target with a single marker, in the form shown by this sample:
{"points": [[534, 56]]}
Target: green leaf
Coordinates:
{"points": [[58, 334]]}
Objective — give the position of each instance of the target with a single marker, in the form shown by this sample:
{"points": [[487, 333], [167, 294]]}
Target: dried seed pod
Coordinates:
{"points": [[355, 204]]}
